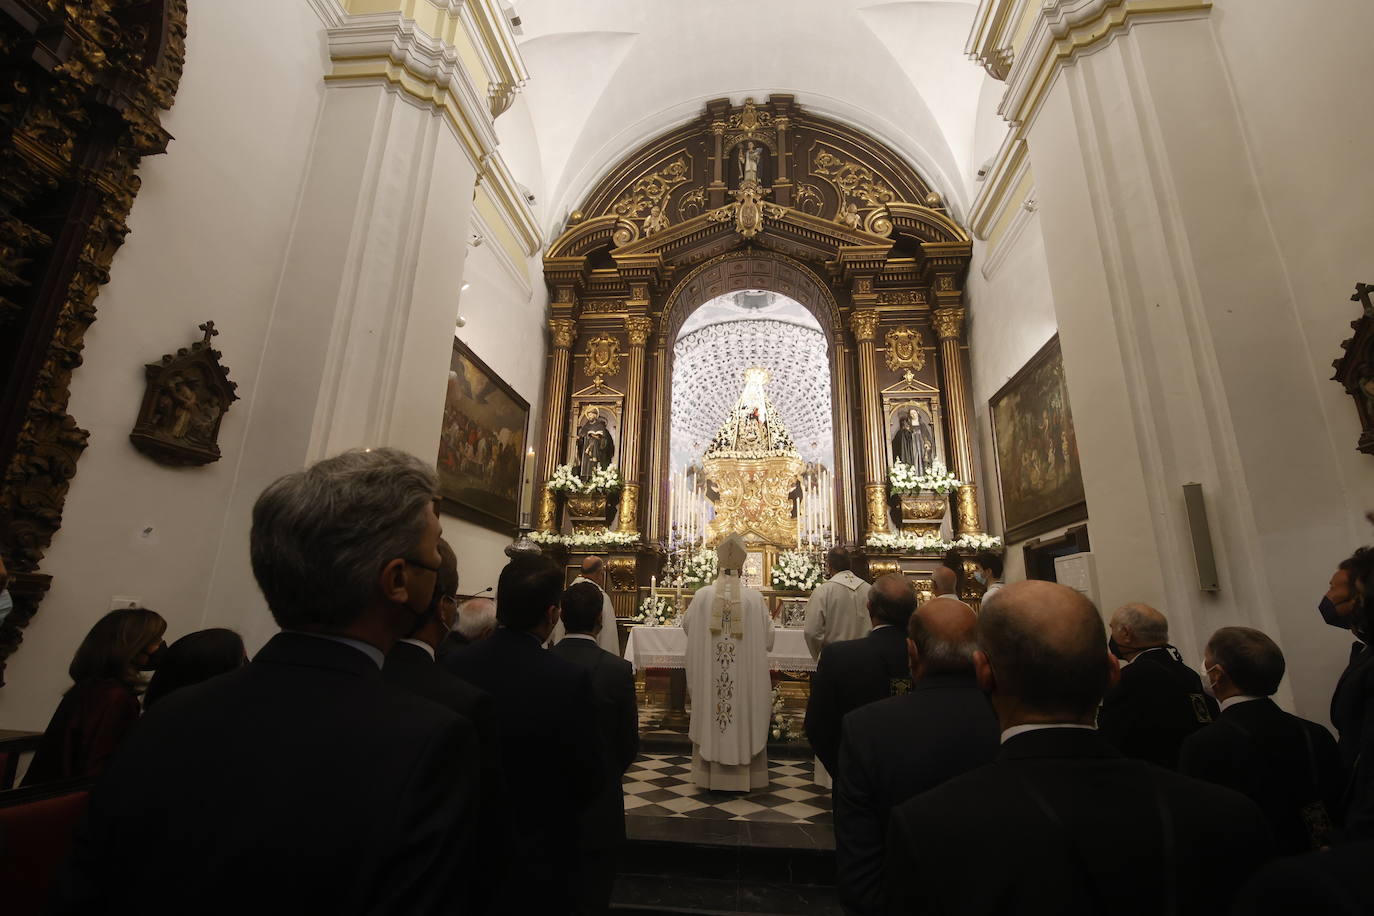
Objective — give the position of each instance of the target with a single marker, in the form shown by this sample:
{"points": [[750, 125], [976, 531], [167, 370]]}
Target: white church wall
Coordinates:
{"points": [[208, 232], [1182, 343], [1309, 141], [505, 328], [1011, 316]]}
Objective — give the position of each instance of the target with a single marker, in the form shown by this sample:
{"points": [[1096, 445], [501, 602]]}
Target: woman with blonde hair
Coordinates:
{"points": [[102, 705]]}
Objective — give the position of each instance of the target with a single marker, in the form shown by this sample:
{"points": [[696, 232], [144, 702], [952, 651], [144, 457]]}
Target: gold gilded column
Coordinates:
{"points": [[656, 520], [864, 324], [562, 331], [949, 326], [638, 327]]}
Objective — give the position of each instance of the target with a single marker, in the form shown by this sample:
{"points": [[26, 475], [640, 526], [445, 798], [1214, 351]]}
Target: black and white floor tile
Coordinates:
{"points": [[660, 785]]}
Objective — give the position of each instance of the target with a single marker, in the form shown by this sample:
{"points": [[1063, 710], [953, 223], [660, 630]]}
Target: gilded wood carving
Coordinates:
{"points": [[186, 398], [80, 99], [1355, 370]]}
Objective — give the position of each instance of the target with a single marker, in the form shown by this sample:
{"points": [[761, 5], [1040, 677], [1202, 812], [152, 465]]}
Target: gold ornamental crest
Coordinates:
{"points": [[905, 349], [603, 356]]}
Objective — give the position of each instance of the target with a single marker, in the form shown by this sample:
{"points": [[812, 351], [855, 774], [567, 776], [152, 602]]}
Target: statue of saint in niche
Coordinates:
{"points": [[914, 442], [594, 446], [749, 162]]}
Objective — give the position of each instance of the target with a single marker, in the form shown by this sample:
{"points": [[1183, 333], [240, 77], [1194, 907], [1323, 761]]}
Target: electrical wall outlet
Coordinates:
{"points": [[120, 602]]}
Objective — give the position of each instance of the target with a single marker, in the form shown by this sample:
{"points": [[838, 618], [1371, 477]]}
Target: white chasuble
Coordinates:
{"points": [[836, 611], [727, 675]]}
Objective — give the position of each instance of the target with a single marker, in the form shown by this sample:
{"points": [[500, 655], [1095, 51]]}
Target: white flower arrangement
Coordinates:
{"points": [[795, 571], [978, 542], [656, 612], [902, 478], [701, 567], [778, 727], [902, 542], [594, 541], [604, 480]]}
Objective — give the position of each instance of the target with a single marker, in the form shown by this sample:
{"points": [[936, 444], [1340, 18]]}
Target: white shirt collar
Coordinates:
{"points": [[1237, 699], [579, 635], [366, 648], [422, 644], [1037, 726], [585, 579]]}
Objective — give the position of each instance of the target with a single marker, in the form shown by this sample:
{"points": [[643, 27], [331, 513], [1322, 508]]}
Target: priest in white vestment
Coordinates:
{"points": [[608, 637], [729, 635], [838, 608]]}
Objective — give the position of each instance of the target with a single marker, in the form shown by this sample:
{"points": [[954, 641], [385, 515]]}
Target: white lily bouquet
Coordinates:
{"points": [[700, 568], [795, 571], [656, 611], [603, 480], [902, 478]]}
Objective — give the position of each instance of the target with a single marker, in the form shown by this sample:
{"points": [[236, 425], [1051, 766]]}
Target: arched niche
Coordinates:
{"points": [[835, 220]]}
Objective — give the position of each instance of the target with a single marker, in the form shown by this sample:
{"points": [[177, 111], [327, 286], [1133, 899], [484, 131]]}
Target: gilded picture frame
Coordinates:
{"points": [[481, 444], [1038, 470]]}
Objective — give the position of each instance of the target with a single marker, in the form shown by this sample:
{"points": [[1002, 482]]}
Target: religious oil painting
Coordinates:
{"points": [[1037, 451], [482, 444]]}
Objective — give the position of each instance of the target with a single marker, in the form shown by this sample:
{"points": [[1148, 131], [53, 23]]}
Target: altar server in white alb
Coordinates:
{"points": [[838, 608], [729, 635], [608, 637]]}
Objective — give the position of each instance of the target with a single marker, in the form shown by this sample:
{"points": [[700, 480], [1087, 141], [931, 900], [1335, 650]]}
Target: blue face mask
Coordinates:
{"points": [[980, 577], [6, 604]]}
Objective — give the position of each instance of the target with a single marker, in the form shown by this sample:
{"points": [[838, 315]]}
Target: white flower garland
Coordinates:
{"points": [[796, 572], [656, 612], [603, 480], [602, 539], [903, 542], [902, 478]]}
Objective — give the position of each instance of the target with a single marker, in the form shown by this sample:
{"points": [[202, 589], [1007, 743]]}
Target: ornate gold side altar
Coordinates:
{"points": [[763, 195]]}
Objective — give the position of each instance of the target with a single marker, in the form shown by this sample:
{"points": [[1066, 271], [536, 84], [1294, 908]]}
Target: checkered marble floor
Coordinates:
{"points": [[660, 785]]}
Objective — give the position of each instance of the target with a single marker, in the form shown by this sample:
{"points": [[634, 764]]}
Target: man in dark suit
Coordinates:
{"points": [[302, 782], [1062, 822], [411, 666], [1159, 700], [897, 748], [1347, 605], [613, 683], [1332, 882], [549, 745], [1288, 766], [854, 672]]}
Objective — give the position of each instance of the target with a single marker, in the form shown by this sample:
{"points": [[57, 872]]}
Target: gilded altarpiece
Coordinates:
{"points": [[762, 195]]}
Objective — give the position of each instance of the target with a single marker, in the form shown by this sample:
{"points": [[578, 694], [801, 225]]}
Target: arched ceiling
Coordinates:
{"points": [[607, 75]]}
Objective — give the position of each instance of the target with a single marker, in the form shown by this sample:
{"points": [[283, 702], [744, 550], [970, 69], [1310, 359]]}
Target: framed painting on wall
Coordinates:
{"points": [[1037, 450], [481, 444]]}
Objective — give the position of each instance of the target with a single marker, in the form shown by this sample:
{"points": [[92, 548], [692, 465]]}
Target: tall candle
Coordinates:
{"points": [[527, 488]]}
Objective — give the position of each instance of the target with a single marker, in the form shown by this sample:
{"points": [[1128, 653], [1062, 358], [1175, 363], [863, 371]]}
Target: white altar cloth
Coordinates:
{"points": [[666, 647]]}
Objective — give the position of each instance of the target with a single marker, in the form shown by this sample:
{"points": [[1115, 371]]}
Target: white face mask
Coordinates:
{"points": [[1207, 688], [6, 604]]}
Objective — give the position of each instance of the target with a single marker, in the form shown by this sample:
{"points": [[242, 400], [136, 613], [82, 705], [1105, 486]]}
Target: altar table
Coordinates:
{"points": [[666, 647]]}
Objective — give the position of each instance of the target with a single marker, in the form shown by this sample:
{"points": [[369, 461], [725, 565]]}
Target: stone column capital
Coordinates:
{"points": [[639, 328], [864, 323], [948, 322], [563, 330]]}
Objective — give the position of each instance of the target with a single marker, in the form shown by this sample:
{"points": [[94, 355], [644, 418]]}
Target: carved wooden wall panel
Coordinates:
{"points": [[80, 94]]}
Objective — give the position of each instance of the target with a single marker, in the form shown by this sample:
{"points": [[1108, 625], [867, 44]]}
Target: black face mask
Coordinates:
{"points": [[154, 658], [1330, 616], [1114, 648]]}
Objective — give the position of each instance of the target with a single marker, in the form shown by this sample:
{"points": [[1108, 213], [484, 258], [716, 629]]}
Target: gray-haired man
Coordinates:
{"points": [[302, 782]]}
